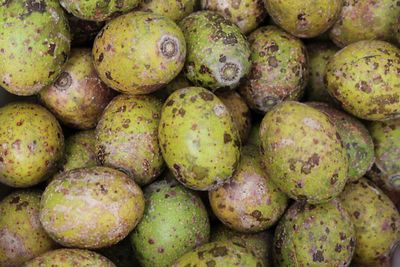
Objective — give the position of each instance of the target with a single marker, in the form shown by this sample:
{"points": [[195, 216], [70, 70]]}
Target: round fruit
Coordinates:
{"points": [[83, 32], [140, 52], [175, 10], [31, 144], [80, 151], [198, 138], [91, 207]]}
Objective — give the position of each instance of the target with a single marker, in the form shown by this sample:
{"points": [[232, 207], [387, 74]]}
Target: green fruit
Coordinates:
{"points": [[98, 10], [250, 202], [376, 220], [198, 138], [175, 10], [247, 14], [175, 221], [91, 207], [34, 44], [121, 254], [315, 235], [218, 53], [355, 138], [302, 152], [365, 20], [70, 258], [219, 254], [127, 137], [304, 19], [32, 143], [80, 151], [83, 32], [22, 238], [78, 96], [151, 45], [279, 69], [363, 78]]}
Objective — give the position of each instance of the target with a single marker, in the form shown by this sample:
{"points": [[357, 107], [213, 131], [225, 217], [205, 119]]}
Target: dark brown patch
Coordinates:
{"points": [[356, 214], [272, 62], [364, 86], [219, 251], [15, 200], [206, 96], [338, 248], [318, 256], [211, 263], [64, 81], [256, 214], [151, 241], [52, 48], [35, 6], [108, 75], [227, 138], [101, 57]]}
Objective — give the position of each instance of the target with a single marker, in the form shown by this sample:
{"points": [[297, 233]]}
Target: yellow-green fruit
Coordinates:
{"points": [[250, 202], [364, 78], [78, 96], [302, 152], [91, 207], [31, 144], [376, 220], [315, 235], [198, 138], [175, 10], [80, 151], [247, 14], [34, 44], [365, 20], [219, 254], [22, 238], [304, 19], [70, 258], [139, 53], [127, 137]]}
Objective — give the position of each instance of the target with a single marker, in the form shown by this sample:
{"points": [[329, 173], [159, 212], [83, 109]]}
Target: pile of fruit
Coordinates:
{"points": [[210, 133]]}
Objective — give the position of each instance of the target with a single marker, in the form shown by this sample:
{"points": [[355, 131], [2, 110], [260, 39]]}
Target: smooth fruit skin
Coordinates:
{"points": [[139, 53], [363, 78], [22, 238], [31, 144], [175, 221], [175, 10], [376, 220], [198, 139], [91, 207], [315, 235], [34, 44], [80, 151], [302, 153]]}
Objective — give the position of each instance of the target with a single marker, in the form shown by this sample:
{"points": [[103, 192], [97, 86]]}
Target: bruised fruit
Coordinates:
{"points": [[175, 221], [175, 10], [127, 137], [32, 144], [80, 151], [83, 32], [198, 138], [34, 44], [315, 235], [22, 238], [91, 207], [139, 53], [121, 254], [279, 69], [376, 220], [78, 96], [364, 78], [302, 152], [218, 53], [250, 202]]}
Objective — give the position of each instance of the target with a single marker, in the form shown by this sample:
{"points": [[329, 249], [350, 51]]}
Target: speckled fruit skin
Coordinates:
{"points": [[365, 20], [355, 138], [91, 207], [22, 238], [250, 202], [98, 10], [121, 254], [304, 19], [34, 44], [175, 10], [376, 220], [315, 235], [247, 14], [279, 69], [198, 138], [70, 258], [218, 53], [219, 254], [78, 96], [239, 111], [175, 221], [31, 144], [80, 151], [302, 152], [363, 77], [83, 32], [127, 137], [139, 53]]}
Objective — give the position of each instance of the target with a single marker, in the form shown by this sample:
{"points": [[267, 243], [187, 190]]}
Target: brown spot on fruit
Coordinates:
{"points": [[364, 86], [227, 138], [206, 96], [318, 256], [169, 47], [35, 6], [230, 71], [64, 81], [219, 251]]}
